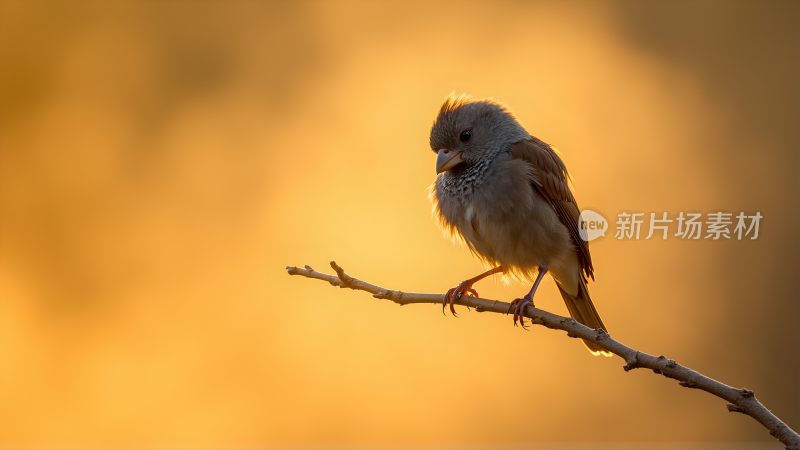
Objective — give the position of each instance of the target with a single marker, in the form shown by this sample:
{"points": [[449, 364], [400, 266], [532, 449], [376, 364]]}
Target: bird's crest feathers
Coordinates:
{"points": [[454, 102]]}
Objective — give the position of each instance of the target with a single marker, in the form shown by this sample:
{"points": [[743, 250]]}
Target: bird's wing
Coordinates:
{"points": [[551, 181]]}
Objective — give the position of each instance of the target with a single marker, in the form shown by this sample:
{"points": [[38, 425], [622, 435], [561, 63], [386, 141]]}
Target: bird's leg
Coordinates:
{"points": [[465, 287], [519, 304]]}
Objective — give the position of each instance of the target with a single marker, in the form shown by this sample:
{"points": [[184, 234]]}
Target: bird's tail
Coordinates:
{"points": [[582, 309]]}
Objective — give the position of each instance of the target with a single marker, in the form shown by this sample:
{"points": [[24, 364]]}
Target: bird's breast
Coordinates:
{"points": [[504, 220]]}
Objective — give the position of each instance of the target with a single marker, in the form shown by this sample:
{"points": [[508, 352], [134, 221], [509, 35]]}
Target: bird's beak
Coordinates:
{"points": [[447, 159]]}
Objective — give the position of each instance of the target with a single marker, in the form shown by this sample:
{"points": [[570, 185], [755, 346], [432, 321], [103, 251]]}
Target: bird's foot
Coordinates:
{"points": [[453, 295], [518, 306]]}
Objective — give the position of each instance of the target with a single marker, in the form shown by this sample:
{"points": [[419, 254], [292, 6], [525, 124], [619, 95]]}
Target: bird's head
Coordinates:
{"points": [[467, 131]]}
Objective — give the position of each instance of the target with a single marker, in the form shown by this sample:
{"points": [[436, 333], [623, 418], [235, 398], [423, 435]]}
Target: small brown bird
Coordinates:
{"points": [[505, 193]]}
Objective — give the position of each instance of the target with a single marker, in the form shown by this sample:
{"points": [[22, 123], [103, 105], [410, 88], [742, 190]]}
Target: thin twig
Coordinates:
{"points": [[739, 400]]}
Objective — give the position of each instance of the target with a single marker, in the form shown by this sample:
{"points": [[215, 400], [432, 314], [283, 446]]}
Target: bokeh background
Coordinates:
{"points": [[161, 162]]}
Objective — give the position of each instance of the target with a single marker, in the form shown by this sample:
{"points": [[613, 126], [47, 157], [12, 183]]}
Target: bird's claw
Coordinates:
{"points": [[518, 307], [454, 294]]}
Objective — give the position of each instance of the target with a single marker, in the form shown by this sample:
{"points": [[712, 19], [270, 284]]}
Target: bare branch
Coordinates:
{"points": [[739, 400]]}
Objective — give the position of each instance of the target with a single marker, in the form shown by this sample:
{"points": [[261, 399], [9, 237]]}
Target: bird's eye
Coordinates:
{"points": [[465, 135]]}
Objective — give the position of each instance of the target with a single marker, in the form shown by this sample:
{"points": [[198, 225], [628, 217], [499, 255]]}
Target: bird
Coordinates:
{"points": [[506, 194]]}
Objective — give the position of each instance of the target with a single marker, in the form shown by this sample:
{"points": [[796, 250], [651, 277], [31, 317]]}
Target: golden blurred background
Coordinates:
{"points": [[161, 162]]}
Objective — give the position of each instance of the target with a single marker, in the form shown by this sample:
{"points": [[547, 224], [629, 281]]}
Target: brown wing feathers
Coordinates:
{"points": [[551, 182]]}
